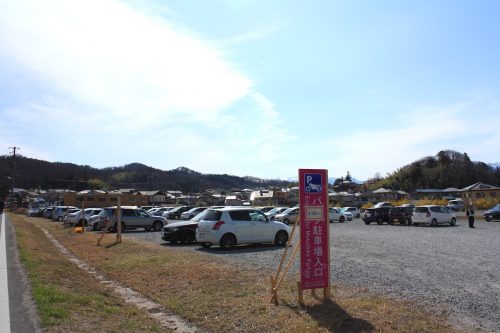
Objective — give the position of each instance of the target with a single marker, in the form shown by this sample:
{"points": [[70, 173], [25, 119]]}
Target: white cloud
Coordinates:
{"points": [[114, 76], [107, 55], [468, 126]]}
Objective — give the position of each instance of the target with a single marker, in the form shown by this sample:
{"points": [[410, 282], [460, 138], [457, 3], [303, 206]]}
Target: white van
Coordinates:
{"points": [[456, 205]]}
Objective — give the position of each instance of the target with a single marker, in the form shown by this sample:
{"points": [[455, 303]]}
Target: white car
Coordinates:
{"points": [[433, 215], [353, 210], [76, 217], [275, 211], [188, 215], [230, 226], [335, 214], [289, 216], [158, 211]]}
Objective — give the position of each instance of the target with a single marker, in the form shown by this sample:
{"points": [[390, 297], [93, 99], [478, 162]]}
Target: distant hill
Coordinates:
{"points": [[33, 173], [446, 169]]}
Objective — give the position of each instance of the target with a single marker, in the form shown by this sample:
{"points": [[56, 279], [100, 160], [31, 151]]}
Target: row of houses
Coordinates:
{"points": [[272, 197]]}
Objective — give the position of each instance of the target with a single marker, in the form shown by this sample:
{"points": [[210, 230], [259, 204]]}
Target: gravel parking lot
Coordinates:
{"points": [[455, 268]]}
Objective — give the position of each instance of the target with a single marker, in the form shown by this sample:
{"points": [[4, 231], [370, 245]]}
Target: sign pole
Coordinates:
{"points": [[119, 220], [314, 231]]}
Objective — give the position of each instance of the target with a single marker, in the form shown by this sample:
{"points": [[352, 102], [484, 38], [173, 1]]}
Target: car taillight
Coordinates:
{"points": [[217, 225]]}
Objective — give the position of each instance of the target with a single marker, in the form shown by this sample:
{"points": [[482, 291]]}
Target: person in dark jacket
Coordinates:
{"points": [[470, 216]]}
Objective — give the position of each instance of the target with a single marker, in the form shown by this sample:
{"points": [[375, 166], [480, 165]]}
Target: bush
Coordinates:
{"points": [[485, 203]]}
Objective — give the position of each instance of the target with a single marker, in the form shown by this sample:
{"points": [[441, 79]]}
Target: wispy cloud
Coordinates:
{"points": [[114, 76], [419, 132]]}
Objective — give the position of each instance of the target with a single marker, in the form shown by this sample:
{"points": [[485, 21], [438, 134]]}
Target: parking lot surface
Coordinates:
{"points": [[441, 268]]}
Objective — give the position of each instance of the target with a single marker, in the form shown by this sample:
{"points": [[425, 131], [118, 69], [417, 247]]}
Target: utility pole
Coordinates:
{"points": [[13, 177]]}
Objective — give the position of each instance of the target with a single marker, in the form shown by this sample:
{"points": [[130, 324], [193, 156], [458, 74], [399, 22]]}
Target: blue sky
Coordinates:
{"points": [[258, 88]]}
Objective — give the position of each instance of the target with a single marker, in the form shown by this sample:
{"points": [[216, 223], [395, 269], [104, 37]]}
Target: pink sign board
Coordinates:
{"points": [[314, 233]]}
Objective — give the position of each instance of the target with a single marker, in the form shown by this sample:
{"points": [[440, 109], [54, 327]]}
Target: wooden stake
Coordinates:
{"points": [[300, 293], [274, 287]]}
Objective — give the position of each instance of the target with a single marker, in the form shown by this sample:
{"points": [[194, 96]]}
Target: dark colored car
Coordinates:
{"points": [[183, 232], [175, 213], [379, 215], [401, 214], [493, 213]]}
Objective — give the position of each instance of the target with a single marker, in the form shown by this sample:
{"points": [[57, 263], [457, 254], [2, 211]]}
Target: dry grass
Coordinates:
{"points": [[224, 298], [68, 299]]}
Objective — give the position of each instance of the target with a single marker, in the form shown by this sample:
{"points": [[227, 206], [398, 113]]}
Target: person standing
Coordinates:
{"points": [[470, 216]]}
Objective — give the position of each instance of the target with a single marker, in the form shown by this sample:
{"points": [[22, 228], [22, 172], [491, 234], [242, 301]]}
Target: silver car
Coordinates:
{"points": [[132, 217]]}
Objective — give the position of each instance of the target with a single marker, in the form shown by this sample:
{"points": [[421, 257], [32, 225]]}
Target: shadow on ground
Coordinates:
{"points": [[331, 316]]}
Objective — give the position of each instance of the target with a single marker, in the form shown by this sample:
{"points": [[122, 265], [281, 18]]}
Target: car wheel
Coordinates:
{"points": [[341, 219], [380, 221], [453, 221], [434, 223], [358, 216], [157, 225], [286, 221], [227, 242], [281, 238], [487, 219], [96, 227], [367, 223], [186, 237]]}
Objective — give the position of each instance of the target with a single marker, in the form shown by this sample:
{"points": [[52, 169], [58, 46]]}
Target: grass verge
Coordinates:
{"points": [[214, 294], [67, 298]]}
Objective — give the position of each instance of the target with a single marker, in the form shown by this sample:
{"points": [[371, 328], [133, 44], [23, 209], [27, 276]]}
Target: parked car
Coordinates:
{"points": [[382, 204], [188, 215], [288, 216], [59, 211], [456, 205], [75, 218], [275, 211], [47, 213], [433, 215], [94, 222], [376, 214], [175, 213], [353, 210], [401, 214], [34, 211], [335, 214], [347, 215], [132, 217], [159, 211], [492, 213], [182, 231], [265, 209], [231, 226]]}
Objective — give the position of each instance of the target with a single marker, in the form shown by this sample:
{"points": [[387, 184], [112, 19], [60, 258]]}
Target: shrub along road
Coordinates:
{"points": [[444, 269]]}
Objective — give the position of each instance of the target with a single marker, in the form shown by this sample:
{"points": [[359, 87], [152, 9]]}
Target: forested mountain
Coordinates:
{"points": [[33, 173], [447, 169]]}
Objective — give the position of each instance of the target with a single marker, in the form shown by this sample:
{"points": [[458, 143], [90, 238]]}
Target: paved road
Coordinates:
{"points": [[455, 267], [17, 310]]}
